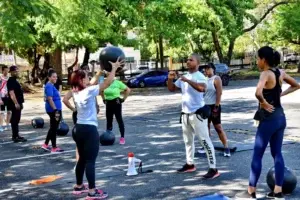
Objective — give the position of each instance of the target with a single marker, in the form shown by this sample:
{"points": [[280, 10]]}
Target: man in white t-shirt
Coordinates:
{"points": [[194, 116]]}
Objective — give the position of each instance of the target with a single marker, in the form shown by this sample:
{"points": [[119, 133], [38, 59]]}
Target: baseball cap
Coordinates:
{"points": [[210, 65], [13, 68]]}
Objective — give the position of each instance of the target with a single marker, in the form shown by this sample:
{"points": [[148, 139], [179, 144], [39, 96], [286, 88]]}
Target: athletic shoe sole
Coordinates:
{"points": [[82, 191], [274, 198], [226, 155], [56, 152], [215, 176], [45, 149], [104, 196], [188, 171]]}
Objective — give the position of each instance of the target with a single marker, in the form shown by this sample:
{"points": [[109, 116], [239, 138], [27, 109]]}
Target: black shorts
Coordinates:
{"points": [[6, 102], [215, 119]]}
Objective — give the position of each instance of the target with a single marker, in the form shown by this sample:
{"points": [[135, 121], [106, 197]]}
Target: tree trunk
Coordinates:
{"points": [[36, 71], [161, 51], [46, 66], [15, 58], [86, 57], [217, 46], [298, 67], [157, 57], [230, 51], [56, 61]]}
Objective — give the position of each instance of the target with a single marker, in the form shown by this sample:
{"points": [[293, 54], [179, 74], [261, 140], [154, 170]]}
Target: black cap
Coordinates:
{"points": [[210, 65], [13, 68]]}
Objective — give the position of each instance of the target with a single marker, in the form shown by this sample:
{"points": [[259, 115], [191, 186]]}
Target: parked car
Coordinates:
{"points": [[151, 78], [222, 70], [138, 70], [292, 57]]}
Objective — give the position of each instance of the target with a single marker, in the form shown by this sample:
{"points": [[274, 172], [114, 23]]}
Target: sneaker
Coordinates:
{"points": [[19, 139], [56, 150], [46, 147], [272, 195], [187, 168], [201, 151], [7, 128], [245, 195], [99, 194], [211, 174], [122, 140], [227, 152], [83, 189]]}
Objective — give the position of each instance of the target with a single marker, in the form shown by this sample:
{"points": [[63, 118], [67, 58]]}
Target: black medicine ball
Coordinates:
{"points": [[107, 138], [37, 122], [289, 180], [110, 53], [63, 129]]}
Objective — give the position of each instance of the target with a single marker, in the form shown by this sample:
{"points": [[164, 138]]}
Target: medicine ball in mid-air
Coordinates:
{"points": [[111, 54], [37, 122], [63, 129], [107, 138], [289, 181]]}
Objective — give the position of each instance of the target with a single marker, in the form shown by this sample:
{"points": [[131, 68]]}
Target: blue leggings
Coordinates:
{"points": [[269, 130]]}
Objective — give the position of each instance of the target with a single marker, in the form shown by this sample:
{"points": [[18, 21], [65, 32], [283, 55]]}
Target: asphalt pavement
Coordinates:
{"points": [[154, 134]]}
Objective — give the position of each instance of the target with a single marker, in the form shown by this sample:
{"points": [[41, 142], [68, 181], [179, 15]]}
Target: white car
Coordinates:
{"points": [[291, 57]]}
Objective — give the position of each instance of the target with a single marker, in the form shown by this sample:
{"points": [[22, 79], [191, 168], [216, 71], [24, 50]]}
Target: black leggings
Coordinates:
{"points": [[54, 124], [114, 107], [87, 142], [15, 120]]}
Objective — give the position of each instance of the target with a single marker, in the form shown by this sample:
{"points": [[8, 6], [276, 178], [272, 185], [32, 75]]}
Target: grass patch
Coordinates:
{"points": [[246, 75], [253, 74]]}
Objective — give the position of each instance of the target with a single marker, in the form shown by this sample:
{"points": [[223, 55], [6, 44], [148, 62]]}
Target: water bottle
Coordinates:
{"points": [[101, 79]]}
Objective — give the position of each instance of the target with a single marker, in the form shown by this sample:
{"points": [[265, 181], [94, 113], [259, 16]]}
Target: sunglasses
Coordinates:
{"points": [[190, 59]]}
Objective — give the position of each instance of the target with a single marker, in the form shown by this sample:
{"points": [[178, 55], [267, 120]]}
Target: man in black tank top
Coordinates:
{"points": [[272, 121]]}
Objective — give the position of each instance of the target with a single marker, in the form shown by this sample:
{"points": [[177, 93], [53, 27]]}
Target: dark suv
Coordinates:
{"points": [[222, 70]]}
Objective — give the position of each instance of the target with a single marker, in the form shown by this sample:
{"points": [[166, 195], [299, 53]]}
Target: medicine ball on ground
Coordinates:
{"points": [[63, 129], [289, 181], [111, 54], [37, 122], [107, 138]]}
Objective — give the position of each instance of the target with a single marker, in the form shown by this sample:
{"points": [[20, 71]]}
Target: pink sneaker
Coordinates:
{"points": [[56, 150], [83, 189], [122, 140], [46, 147]]}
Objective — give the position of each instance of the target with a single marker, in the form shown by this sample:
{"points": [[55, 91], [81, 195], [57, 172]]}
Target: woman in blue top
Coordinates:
{"points": [[53, 108]]}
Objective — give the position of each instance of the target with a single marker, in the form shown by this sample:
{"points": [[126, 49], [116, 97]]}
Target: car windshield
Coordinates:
{"points": [[141, 74]]}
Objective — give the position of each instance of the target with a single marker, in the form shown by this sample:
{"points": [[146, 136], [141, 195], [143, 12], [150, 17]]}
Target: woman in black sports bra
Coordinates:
{"points": [[271, 118]]}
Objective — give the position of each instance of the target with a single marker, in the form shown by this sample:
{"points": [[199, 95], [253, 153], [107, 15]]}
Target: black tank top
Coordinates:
{"points": [[272, 96]]}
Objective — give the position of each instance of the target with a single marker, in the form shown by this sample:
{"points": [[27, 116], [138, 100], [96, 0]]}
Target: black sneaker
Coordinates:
{"points": [[99, 194], [272, 195], [187, 168], [245, 195], [211, 174], [19, 139]]}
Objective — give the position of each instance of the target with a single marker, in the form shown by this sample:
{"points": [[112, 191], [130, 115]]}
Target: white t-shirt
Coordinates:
{"points": [[192, 100], [85, 102], [3, 86]]}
